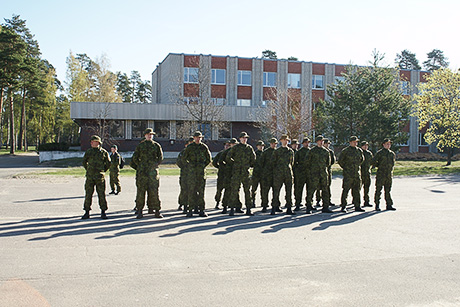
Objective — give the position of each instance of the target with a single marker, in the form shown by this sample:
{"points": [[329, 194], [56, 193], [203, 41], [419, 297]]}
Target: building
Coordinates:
{"points": [[239, 86]]}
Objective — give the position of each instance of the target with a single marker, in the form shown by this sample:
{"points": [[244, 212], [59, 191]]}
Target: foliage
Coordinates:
{"points": [[268, 54], [436, 60], [407, 60]]}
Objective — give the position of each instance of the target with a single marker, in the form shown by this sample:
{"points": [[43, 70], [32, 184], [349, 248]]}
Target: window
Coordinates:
{"points": [[270, 79], [162, 129], [294, 80], [205, 130], [244, 77], [225, 130], [338, 79], [317, 82], [138, 128], [190, 100], [218, 101], [421, 140], [405, 87], [266, 103], [116, 129], [190, 75], [243, 102], [217, 76]]}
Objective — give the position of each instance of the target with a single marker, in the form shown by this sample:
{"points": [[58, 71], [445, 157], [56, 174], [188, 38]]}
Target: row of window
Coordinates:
{"points": [[218, 76]]}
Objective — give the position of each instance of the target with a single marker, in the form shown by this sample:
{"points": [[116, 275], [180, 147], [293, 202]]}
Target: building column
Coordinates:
{"points": [[128, 129], [172, 130]]}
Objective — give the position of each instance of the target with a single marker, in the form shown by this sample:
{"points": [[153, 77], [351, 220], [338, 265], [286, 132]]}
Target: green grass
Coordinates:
{"points": [[4, 151]]}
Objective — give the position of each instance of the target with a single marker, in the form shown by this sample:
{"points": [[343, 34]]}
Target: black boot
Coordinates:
{"points": [[232, 212], [273, 212], [179, 208], [195, 211], [150, 211], [224, 210], [103, 215], [264, 209], [158, 215], [189, 213], [139, 214], [248, 212], [113, 192], [377, 208], [327, 210], [359, 209], [289, 211], [297, 208], [391, 208], [344, 208], [238, 210], [86, 215], [217, 205], [367, 204], [202, 213]]}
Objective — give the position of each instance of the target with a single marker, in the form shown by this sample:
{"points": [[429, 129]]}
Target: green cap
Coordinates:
{"points": [[260, 143], [306, 140], [386, 140], [294, 141], [198, 134], [114, 146], [326, 141], [243, 135], [232, 141], [190, 140], [273, 140], [149, 131], [319, 138], [364, 143], [353, 138], [96, 138], [284, 137]]}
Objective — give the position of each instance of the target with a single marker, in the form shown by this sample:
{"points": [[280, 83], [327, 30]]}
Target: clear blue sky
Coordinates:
{"points": [[137, 34]]}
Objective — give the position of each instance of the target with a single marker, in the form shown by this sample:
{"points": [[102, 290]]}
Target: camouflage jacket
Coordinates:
{"points": [[283, 158], [242, 156], [224, 167], [257, 171], [180, 162], [267, 162], [318, 160], [350, 160], [216, 162], [384, 160], [96, 161], [366, 166], [115, 159], [147, 156], [197, 155], [300, 159], [332, 155]]}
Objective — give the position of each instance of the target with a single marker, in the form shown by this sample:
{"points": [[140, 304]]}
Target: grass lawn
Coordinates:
{"points": [[4, 151]]}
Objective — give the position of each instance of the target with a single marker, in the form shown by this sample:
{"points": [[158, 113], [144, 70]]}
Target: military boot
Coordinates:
{"points": [[179, 208], [327, 210], [238, 210], [377, 208], [113, 192], [344, 208], [264, 209], [248, 212], [359, 209], [139, 214], [202, 213], [86, 215], [232, 212], [273, 212], [297, 208], [391, 208], [150, 211], [158, 215], [195, 211], [367, 204], [189, 213], [103, 215], [289, 211], [224, 210]]}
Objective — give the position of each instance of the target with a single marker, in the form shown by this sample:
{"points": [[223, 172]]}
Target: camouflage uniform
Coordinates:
{"points": [[300, 174], [366, 174], [256, 175], [283, 159], [220, 176], [115, 159], [318, 162], [243, 157], [197, 157], [146, 158], [226, 171], [266, 182], [350, 160], [182, 181], [96, 161], [329, 172], [384, 160]]}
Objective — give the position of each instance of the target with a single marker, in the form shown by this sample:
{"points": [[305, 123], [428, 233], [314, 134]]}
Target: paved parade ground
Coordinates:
{"points": [[50, 257]]}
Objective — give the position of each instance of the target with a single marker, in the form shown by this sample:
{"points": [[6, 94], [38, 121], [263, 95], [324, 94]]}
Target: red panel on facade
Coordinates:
{"points": [[339, 69], [423, 76], [424, 129], [404, 149], [218, 91], [406, 127], [269, 93], [405, 75], [294, 68], [219, 62], [316, 95], [319, 69], [191, 61], [270, 66], [244, 64], [191, 90], [295, 94], [423, 149], [244, 92]]}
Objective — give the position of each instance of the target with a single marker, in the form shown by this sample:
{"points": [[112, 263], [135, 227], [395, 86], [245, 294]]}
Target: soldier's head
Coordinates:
{"points": [[273, 143], [114, 148], [294, 144], [364, 145], [305, 142], [189, 141], [95, 141], [319, 140], [354, 141], [260, 145], [326, 142], [243, 137], [149, 134], [197, 137], [232, 142], [386, 143], [284, 140], [226, 145]]}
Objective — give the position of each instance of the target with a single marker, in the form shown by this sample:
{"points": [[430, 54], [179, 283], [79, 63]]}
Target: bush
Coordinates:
{"points": [[54, 147]]}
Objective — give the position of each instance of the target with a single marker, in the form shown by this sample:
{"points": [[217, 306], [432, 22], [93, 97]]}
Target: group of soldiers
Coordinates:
{"points": [[297, 169]]}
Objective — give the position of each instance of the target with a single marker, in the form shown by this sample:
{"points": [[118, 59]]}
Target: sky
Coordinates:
{"points": [[137, 34]]}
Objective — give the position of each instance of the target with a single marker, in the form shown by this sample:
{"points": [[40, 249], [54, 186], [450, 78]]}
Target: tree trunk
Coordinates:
{"points": [[21, 123], [449, 156], [12, 143], [1, 117]]}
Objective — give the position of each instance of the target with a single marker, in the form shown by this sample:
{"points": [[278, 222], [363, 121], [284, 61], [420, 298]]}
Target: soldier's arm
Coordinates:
{"points": [[208, 157], [332, 157], [107, 161], [375, 160], [252, 159], [215, 161], [160, 154], [85, 160], [341, 160], [135, 159]]}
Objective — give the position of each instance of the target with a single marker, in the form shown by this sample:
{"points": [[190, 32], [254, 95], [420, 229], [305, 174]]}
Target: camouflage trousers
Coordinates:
{"points": [[99, 183], [300, 181], [240, 176], [281, 178], [195, 188], [220, 187], [366, 179], [315, 183], [383, 181], [353, 184], [149, 184], [115, 181], [255, 182], [265, 185], [183, 190], [318, 192]]}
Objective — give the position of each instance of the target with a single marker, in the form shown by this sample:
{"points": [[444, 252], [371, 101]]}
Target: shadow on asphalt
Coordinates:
{"points": [[123, 223], [48, 199]]}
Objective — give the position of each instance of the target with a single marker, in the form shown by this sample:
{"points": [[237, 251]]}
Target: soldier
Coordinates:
{"points": [[267, 173], [115, 164], [317, 162], [257, 171], [283, 159], [295, 144], [350, 160], [96, 161], [182, 177], [384, 160], [366, 171], [243, 157], [197, 157], [220, 176], [146, 158], [227, 175], [327, 144], [300, 172]]}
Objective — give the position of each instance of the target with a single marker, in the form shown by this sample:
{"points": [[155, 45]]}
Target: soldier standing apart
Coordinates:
{"points": [[267, 173], [300, 172], [366, 171], [384, 160], [317, 162], [115, 159], [197, 157], [220, 176], [146, 158], [283, 160], [243, 157], [96, 161], [182, 177], [257, 172], [327, 144], [350, 160], [227, 175]]}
